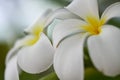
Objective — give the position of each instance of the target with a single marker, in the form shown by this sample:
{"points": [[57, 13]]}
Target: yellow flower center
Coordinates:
{"points": [[37, 30], [93, 25], [32, 41]]}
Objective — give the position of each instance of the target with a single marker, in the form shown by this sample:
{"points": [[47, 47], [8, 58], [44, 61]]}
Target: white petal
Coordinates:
{"points": [[84, 8], [62, 14], [112, 11], [20, 43], [40, 22], [105, 50], [51, 27], [68, 61], [11, 71], [38, 57], [11, 53], [66, 28]]}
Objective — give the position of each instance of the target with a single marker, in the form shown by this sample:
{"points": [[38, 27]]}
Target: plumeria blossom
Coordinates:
{"points": [[38, 55], [72, 35], [34, 53], [31, 52]]}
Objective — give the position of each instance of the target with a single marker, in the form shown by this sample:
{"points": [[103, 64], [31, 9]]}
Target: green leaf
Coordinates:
{"points": [[51, 76]]}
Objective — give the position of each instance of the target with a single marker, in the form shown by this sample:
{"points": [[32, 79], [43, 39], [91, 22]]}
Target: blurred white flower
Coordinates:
{"points": [[33, 54], [70, 37]]}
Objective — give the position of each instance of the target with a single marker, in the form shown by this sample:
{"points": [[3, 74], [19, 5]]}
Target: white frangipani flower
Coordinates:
{"points": [[33, 54], [70, 35]]}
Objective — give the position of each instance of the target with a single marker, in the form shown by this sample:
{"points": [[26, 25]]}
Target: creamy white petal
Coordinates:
{"points": [[51, 27], [112, 11], [40, 22], [20, 43], [11, 71], [62, 14], [68, 60], [66, 28], [11, 53], [84, 8], [38, 57], [104, 50]]}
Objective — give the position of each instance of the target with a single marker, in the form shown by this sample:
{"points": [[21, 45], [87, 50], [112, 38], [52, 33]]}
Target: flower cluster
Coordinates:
{"points": [[63, 44]]}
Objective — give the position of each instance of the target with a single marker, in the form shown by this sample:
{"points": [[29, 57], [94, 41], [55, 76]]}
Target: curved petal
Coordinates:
{"points": [[104, 50], [68, 60], [112, 11], [19, 44], [62, 14], [51, 27], [84, 8], [40, 23], [66, 28], [38, 57], [11, 53], [11, 71]]}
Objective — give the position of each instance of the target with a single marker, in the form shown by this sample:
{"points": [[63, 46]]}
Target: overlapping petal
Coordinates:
{"points": [[51, 27], [62, 14], [11, 53], [66, 28], [84, 8], [38, 57], [68, 60], [19, 44], [104, 50], [11, 71], [112, 11]]}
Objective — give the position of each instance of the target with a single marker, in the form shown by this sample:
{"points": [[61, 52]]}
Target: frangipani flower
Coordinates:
{"points": [[34, 53], [102, 40]]}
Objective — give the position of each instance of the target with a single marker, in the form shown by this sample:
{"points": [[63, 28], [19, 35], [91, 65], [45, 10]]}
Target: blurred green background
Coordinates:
{"points": [[15, 15]]}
